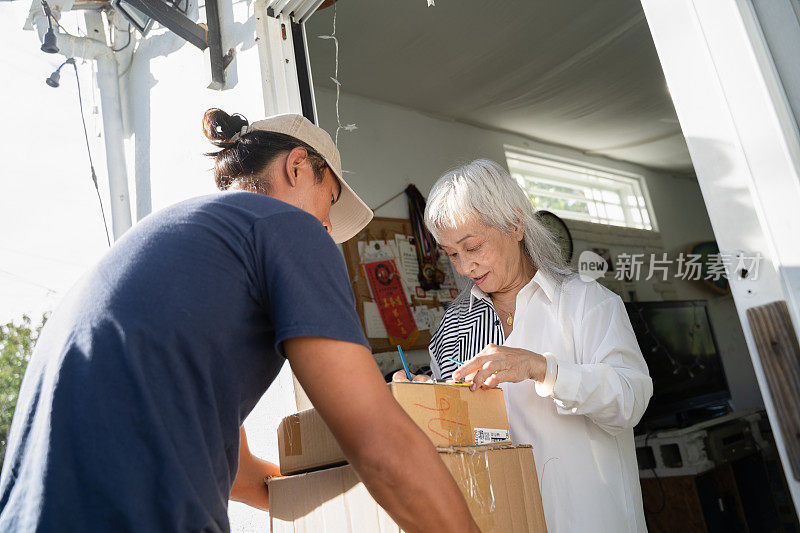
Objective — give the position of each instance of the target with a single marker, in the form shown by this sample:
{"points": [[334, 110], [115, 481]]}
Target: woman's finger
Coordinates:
{"points": [[489, 368], [504, 376], [468, 378], [475, 364], [465, 370]]}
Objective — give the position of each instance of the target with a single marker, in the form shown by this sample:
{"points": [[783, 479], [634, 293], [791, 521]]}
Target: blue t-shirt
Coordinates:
{"points": [[129, 412]]}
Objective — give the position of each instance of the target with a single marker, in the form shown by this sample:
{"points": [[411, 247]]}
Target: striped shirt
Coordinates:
{"points": [[468, 325]]}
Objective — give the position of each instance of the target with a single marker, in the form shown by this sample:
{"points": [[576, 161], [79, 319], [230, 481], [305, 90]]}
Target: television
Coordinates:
{"points": [[678, 344]]}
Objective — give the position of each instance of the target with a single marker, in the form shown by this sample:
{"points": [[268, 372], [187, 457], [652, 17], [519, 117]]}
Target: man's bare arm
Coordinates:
{"points": [[392, 456], [249, 486]]}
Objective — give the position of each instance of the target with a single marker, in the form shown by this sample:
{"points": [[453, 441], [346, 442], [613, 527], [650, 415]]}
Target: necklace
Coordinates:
{"points": [[510, 319]]}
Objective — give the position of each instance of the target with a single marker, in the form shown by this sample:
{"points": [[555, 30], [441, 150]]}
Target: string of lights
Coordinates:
{"points": [[335, 79]]}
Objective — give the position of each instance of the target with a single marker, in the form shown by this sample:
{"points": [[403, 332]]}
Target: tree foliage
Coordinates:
{"points": [[16, 344]]}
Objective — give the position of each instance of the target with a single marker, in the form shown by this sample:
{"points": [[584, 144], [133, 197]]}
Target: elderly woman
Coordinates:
{"points": [[562, 349]]}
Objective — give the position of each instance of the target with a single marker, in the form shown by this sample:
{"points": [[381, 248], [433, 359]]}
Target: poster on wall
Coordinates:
{"points": [[392, 240], [388, 294]]}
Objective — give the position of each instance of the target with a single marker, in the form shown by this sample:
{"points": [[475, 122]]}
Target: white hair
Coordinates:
{"points": [[484, 190]]}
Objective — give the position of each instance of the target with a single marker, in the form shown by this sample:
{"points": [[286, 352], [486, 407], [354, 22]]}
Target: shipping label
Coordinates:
{"points": [[491, 436]]}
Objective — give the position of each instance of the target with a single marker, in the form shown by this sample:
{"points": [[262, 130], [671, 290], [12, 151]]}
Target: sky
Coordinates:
{"points": [[51, 230]]}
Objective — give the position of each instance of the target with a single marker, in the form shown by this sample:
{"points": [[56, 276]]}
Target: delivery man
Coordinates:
{"points": [[130, 411]]}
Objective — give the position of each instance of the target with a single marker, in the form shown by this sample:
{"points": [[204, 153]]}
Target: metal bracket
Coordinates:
{"points": [[218, 61], [303, 71], [281, 40], [199, 35]]}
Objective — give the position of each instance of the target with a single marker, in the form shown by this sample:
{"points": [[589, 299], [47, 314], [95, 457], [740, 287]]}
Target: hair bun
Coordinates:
{"points": [[219, 127]]}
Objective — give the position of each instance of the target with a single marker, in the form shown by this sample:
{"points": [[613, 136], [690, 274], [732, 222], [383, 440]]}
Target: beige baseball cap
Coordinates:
{"points": [[350, 214]]}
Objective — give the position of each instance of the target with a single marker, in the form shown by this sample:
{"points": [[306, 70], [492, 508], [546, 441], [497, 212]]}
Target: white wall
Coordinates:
{"points": [[395, 146]]}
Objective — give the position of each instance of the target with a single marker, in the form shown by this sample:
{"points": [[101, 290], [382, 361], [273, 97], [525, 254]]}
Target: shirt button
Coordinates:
{"points": [[496, 322]]}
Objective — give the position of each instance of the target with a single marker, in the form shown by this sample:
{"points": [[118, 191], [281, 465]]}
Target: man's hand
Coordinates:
{"points": [[381, 442], [400, 376], [249, 486], [501, 364]]}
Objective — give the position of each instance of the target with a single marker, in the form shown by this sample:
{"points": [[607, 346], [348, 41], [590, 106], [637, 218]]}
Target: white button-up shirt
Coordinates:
{"points": [[582, 433]]}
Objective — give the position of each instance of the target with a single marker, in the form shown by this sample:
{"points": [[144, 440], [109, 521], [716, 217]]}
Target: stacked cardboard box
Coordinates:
{"points": [[470, 431], [451, 415]]}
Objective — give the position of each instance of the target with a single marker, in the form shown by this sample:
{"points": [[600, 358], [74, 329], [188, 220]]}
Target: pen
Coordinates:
{"points": [[459, 363], [405, 365]]}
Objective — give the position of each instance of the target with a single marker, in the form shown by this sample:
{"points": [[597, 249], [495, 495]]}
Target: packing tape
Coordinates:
{"points": [[292, 438], [475, 479], [453, 415]]}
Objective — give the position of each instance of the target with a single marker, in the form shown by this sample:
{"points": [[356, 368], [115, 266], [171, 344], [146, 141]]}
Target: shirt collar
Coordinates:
{"points": [[540, 281], [476, 293], [546, 283]]}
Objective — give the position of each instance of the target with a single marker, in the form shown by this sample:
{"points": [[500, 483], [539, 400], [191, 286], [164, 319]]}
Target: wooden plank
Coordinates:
{"points": [[779, 351]]}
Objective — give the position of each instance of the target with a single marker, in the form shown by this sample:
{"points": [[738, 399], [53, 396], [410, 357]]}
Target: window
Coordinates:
{"points": [[581, 192]]}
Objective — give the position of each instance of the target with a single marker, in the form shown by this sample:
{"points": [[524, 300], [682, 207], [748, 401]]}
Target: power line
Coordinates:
{"points": [[89, 152], [44, 257], [30, 282]]}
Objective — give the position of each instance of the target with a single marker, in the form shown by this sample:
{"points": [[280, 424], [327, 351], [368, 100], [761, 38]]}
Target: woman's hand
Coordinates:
{"points": [[501, 364], [400, 376]]}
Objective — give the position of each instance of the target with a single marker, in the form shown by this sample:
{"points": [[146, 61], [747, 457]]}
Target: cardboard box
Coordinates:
{"points": [[498, 481], [451, 415]]}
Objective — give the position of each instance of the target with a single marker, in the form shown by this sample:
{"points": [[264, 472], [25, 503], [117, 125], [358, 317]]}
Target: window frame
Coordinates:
{"points": [[594, 178]]}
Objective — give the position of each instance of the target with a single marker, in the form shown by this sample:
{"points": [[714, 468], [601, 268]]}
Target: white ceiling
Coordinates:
{"points": [[579, 73]]}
